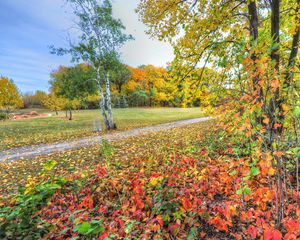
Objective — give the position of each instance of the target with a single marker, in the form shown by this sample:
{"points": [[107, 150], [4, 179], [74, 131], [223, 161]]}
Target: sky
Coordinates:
{"points": [[29, 27]]}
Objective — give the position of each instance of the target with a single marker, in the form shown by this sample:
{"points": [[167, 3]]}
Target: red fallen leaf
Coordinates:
{"points": [[203, 151], [102, 209], [160, 220], [121, 222], [138, 201], [103, 236], [219, 223], [100, 171], [272, 234], [290, 236], [155, 227], [186, 203], [87, 202], [230, 150], [116, 213], [293, 225], [252, 231], [137, 188], [173, 227]]}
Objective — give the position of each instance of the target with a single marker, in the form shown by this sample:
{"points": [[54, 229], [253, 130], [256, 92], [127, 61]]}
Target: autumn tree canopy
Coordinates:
{"points": [[253, 45], [10, 97]]}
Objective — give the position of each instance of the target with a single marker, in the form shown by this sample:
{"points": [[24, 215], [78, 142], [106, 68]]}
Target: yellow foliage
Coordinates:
{"points": [[10, 97]]}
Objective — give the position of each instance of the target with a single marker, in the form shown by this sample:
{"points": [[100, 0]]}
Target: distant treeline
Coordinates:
{"points": [[145, 86]]}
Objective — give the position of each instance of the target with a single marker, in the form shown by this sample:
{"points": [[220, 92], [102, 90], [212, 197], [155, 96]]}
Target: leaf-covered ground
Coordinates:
{"points": [[177, 184], [50, 129]]}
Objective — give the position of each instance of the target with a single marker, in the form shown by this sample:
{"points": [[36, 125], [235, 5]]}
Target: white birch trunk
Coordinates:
{"points": [[108, 102], [102, 103]]}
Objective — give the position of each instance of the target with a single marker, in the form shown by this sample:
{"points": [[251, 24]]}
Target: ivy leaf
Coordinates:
{"points": [[239, 191], [83, 228], [253, 171], [247, 190], [297, 111]]}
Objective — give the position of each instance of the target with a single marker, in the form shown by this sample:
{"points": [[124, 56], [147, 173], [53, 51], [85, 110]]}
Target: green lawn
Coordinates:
{"points": [[15, 133]]}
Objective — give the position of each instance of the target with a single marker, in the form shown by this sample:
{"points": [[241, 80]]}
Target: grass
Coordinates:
{"points": [[55, 128]]}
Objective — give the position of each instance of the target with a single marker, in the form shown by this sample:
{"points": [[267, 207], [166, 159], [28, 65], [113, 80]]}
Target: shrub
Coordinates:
{"points": [[3, 116]]}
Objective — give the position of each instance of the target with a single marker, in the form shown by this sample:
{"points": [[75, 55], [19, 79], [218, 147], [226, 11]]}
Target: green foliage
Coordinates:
{"points": [[74, 82], [92, 228], [3, 116], [120, 75], [121, 102], [19, 218], [107, 150]]}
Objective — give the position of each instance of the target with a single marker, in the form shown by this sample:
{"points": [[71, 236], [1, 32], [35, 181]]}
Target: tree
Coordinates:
{"points": [[120, 76], [73, 83], [10, 97], [54, 103], [34, 100], [155, 82], [215, 32], [254, 47], [101, 37]]}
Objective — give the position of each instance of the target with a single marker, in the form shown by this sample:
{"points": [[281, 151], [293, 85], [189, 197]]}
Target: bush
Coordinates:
{"points": [[3, 116], [121, 102]]}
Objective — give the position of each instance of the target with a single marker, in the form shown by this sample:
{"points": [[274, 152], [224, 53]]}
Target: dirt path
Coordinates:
{"points": [[29, 152]]}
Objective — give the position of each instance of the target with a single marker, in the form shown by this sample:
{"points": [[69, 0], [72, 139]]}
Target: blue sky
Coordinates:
{"points": [[28, 27]]}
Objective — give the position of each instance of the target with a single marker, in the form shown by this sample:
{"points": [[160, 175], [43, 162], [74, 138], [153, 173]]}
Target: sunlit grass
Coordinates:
{"points": [[23, 132]]}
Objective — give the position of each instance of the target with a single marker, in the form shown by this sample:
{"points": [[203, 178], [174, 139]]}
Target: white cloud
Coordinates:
{"points": [[36, 24]]}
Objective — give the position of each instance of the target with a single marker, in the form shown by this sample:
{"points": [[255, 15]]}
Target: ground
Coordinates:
{"points": [[190, 182], [44, 130], [30, 152], [180, 183], [162, 144]]}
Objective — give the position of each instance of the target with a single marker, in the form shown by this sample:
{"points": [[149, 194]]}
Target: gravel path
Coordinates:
{"points": [[29, 152]]}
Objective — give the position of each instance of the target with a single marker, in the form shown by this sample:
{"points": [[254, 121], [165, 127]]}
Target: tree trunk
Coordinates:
{"points": [[295, 48], [71, 116], [275, 6], [275, 106], [120, 88], [102, 100], [253, 26], [252, 11], [66, 113], [108, 102]]}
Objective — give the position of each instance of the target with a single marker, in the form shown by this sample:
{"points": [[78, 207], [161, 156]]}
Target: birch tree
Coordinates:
{"points": [[101, 36]]}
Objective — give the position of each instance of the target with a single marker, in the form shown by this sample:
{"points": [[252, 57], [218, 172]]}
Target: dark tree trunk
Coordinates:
{"points": [[252, 10], [275, 109], [275, 20], [295, 48], [253, 26], [71, 117], [253, 18], [120, 88]]}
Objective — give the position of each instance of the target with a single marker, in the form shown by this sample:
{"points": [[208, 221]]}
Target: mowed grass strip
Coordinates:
{"points": [[17, 133]]}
